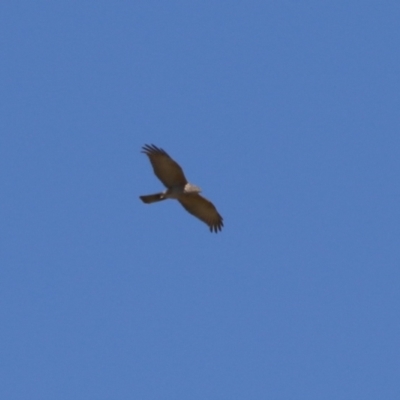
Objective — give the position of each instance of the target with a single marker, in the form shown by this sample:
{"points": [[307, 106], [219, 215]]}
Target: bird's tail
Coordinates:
{"points": [[152, 198]]}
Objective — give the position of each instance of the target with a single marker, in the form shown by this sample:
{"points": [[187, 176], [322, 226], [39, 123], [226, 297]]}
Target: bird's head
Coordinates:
{"points": [[189, 188]]}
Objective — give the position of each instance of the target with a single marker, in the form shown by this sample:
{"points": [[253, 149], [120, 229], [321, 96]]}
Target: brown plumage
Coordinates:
{"points": [[171, 175]]}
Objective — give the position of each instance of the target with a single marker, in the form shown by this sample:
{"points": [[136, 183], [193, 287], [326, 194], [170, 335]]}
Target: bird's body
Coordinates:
{"points": [[171, 175]]}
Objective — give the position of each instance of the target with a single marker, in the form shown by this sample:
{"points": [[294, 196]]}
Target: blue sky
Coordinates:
{"points": [[286, 114]]}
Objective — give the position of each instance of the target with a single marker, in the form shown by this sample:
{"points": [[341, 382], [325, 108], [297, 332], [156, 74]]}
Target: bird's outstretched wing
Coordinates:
{"points": [[166, 169], [203, 209]]}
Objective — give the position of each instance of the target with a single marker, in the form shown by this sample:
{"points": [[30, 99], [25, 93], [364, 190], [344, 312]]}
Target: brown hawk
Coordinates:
{"points": [[171, 175]]}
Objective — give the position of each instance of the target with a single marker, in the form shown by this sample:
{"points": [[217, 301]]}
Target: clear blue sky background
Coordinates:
{"points": [[286, 113]]}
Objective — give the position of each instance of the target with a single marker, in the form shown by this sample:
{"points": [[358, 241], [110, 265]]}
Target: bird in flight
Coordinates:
{"points": [[171, 175]]}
